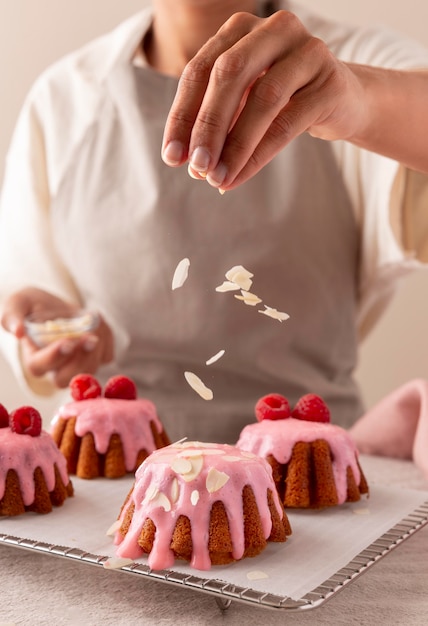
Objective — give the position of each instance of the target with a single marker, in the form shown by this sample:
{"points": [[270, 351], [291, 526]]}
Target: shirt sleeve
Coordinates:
{"points": [[390, 202], [28, 255]]}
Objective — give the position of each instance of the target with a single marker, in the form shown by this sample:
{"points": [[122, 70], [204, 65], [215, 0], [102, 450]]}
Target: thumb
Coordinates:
{"points": [[13, 322], [15, 310]]}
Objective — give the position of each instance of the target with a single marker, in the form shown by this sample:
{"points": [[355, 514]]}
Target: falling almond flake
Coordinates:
{"points": [[248, 298], [215, 358], [180, 274], [276, 315], [197, 385], [227, 286], [116, 563], [240, 276]]}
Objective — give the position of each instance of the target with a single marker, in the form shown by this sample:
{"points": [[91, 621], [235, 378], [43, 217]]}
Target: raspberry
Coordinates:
{"points": [[4, 417], [26, 421], [84, 387], [311, 408], [272, 407], [121, 388]]}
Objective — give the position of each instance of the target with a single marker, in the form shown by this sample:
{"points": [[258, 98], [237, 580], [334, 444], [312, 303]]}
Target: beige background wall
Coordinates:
{"points": [[35, 33]]}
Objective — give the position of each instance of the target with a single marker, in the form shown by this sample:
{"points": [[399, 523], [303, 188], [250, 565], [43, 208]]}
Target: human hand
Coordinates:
{"points": [[250, 90], [62, 358]]}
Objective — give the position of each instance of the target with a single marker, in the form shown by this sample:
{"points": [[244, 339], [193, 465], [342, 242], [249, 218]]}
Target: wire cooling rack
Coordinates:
{"points": [[226, 593]]}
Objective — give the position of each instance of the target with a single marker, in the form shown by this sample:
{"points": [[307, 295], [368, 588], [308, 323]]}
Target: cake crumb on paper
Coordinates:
{"points": [[113, 528], [256, 575], [116, 563]]}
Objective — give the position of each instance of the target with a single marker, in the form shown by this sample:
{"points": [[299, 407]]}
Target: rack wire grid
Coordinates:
{"points": [[225, 593]]}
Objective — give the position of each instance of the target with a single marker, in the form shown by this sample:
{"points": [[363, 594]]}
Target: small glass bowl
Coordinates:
{"points": [[43, 328]]}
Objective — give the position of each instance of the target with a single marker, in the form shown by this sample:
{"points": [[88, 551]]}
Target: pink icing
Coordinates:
{"points": [[160, 485], [278, 437], [103, 417], [24, 453]]}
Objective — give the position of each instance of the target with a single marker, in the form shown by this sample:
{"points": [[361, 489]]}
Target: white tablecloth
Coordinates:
{"points": [[38, 589]]}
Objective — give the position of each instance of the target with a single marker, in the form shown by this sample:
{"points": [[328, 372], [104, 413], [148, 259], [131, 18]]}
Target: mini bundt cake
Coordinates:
{"points": [[106, 435], [33, 472], [209, 504], [314, 463]]}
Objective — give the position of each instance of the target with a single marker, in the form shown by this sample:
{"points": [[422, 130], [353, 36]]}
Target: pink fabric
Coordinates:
{"points": [[397, 426]]}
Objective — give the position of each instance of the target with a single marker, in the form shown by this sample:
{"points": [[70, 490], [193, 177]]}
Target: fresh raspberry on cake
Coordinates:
{"points": [[274, 406], [84, 387], [4, 417], [121, 388], [312, 408], [26, 421]]}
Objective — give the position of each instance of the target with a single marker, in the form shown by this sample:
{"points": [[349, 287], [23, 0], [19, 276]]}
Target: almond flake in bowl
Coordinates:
{"points": [[197, 385], [45, 327], [180, 274]]}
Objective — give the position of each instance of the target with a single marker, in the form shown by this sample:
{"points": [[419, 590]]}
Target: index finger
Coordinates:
{"points": [[192, 88]]}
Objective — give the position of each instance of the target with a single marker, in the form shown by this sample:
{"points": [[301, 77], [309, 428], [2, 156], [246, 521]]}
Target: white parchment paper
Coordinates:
{"points": [[322, 541]]}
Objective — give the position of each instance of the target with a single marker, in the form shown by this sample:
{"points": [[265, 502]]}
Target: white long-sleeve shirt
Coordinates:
{"points": [[90, 212]]}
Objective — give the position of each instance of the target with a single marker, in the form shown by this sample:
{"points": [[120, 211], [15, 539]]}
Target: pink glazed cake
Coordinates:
{"points": [[206, 503], [107, 436], [314, 463], [33, 472]]}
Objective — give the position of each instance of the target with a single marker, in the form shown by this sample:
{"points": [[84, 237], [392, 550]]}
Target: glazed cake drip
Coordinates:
{"points": [[103, 417], [24, 453], [186, 479], [278, 437]]}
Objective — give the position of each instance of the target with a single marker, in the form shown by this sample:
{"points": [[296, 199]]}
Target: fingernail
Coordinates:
{"points": [[192, 174], [200, 160], [195, 175], [90, 343], [67, 347], [173, 152], [217, 176]]}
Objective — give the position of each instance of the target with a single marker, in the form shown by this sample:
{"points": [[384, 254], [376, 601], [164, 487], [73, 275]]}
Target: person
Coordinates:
{"points": [[315, 134]]}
